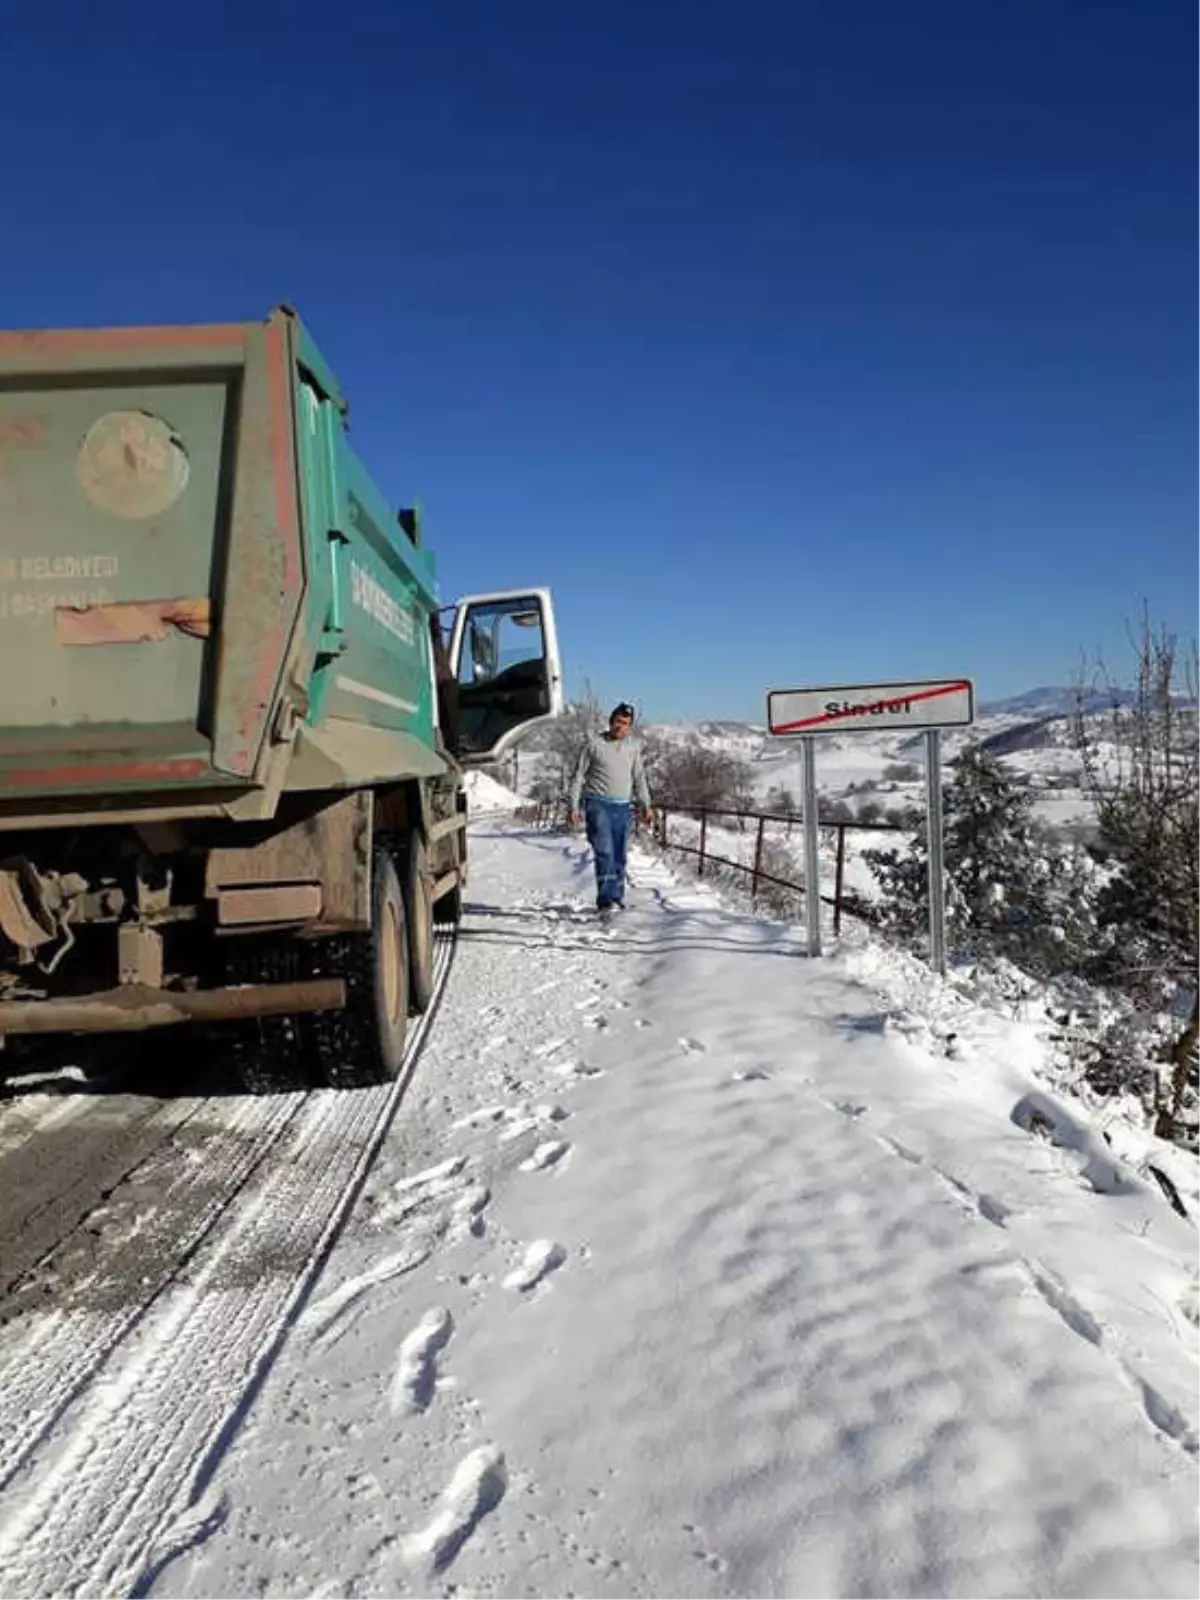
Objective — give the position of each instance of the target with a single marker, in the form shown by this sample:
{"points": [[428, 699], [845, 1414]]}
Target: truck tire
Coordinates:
{"points": [[418, 908], [364, 1044]]}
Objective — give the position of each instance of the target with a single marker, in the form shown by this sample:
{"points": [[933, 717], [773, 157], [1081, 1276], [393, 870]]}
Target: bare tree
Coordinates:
{"points": [[688, 774], [1139, 762], [781, 801], [558, 744]]}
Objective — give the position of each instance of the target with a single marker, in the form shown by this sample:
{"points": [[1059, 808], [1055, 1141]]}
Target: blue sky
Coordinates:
{"points": [[789, 343]]}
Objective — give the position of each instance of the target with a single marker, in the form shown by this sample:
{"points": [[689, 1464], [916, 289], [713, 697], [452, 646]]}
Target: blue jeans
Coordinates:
{"points": [[608, 835]]}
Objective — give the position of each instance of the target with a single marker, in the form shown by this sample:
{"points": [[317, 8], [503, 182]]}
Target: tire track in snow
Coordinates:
{"points": [[63, 1349], [126, 1492], [24, 1118], [45, 1200]]}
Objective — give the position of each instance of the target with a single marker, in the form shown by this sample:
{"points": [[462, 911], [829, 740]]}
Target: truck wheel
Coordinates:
{"points": [[418, 908], [364, 1044]]}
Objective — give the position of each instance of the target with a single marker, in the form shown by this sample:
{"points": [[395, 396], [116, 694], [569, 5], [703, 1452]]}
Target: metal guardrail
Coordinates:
{"points": [[553, 814]]}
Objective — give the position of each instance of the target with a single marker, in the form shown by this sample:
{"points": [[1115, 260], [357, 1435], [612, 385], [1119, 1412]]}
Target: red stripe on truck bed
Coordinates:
{"points": [[117, 772]]}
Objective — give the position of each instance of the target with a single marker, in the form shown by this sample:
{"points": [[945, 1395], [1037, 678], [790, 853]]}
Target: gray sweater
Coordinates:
{"points": [[609, 769]]}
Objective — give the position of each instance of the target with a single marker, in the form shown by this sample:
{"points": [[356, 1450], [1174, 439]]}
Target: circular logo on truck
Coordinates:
{"points": [[132, 464]]}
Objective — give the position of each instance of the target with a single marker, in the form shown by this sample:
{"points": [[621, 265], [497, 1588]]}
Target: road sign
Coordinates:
{"points": [[871, 707], [875, 708]]}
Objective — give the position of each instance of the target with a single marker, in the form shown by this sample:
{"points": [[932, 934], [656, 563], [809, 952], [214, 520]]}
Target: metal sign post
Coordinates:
{"points": [[812, 868], [933, 822], [925, 706]]}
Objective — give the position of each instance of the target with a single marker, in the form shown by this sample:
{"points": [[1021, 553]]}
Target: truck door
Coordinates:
{"points": [[504, 657]]}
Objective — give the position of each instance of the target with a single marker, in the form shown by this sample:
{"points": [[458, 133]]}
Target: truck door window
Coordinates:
{"points": [[501, 639], [502, 671]]}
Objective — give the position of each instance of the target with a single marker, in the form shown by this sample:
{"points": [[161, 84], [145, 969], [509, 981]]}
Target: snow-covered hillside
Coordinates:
{"points": [[1033, 734]]}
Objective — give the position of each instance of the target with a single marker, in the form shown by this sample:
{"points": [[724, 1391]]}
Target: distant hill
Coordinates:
{"points": [[1053, 701]]}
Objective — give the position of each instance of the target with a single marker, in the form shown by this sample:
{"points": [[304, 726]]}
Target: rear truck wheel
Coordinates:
{"points": [[364, 1044], [418, 909]]}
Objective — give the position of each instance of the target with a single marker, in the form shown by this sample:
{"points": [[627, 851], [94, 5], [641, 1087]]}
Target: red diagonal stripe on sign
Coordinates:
{"points": [[840, 716]]}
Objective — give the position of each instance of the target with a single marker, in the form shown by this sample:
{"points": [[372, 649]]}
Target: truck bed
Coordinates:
{"points": [[196, 574]]}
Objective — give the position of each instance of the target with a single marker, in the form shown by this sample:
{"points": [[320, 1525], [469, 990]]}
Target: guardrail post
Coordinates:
{"points": [[703, 837], [839, 875], [758, 850]]}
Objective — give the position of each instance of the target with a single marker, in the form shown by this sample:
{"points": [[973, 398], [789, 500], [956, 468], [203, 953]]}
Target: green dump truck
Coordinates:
{"points": [[233, 720]]}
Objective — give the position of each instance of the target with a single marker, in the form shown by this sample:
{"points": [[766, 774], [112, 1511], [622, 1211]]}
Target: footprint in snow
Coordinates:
{"points": [[480, 1118], [541, 1258], [431, 1177], [905, 1154], [325, 1319], [751, 1075], [578, 1069], [714, 1562], [549, 1047], [851, 1108], [518, 1128], [691, 1047], [1188, 1302], [477, 1487], [191, 1529], [1076, 1316], [993, 1210], [546, 1155], [416, 1371], [466, 1214]]}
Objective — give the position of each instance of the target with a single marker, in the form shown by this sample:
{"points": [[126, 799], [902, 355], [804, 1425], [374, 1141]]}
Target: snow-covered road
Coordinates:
{"points": [[141, 1307], [689, 1269], [691, 1266]]}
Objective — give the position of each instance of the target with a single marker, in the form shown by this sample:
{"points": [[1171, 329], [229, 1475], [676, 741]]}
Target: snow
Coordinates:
{"points": [[485, 794], [693, 1266]]}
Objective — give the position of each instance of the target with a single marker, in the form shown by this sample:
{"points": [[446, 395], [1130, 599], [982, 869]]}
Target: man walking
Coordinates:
{"points": [[609, 776]]}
